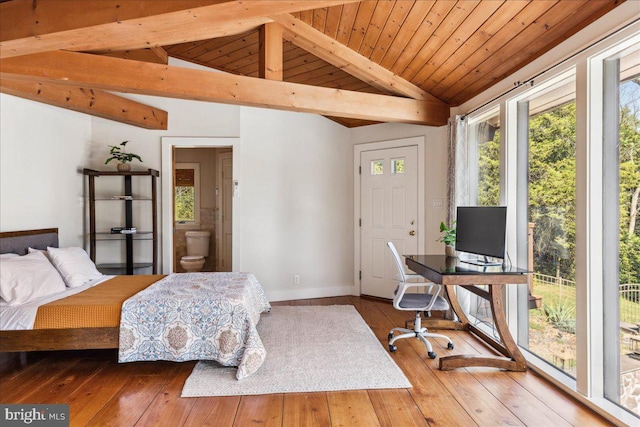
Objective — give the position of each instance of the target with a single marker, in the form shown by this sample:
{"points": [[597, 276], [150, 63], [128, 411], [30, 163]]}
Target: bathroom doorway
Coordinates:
{"points": [[199, 182], [203, 181]]}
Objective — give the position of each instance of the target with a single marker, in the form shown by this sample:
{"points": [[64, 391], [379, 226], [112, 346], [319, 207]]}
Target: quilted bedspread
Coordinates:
{"points": [[196, 316]]}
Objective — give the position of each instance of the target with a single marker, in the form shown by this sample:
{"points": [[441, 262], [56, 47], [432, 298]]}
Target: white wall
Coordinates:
{"points": [[42, 152], [186, 118], [297, 203], [435, 174], [296, 180]]}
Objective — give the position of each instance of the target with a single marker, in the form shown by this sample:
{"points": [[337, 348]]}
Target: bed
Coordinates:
{"points": [[49, 339], [99, 309]]}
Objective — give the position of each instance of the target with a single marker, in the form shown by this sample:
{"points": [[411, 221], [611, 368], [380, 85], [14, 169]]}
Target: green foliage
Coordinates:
{"points": [[630, 259], [562, 315], [449, 236], [185, 204], [118, 153], [489, 171], [552, 183], [377, 167], [630, 186]]}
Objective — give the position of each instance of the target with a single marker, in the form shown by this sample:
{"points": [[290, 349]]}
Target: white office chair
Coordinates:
{"points": [[418, 302]]}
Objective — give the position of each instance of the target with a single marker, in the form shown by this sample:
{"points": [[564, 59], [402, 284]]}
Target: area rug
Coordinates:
{"points": [[309, 348]]}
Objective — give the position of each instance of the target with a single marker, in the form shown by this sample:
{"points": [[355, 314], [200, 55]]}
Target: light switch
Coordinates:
{"points": [[437, 203]]}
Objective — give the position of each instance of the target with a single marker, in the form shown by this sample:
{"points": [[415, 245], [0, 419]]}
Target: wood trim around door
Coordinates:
{"points": [[168, 146]]}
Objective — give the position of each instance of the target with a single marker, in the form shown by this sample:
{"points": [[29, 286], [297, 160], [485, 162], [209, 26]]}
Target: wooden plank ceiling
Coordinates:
{"points": [[411, 60]]}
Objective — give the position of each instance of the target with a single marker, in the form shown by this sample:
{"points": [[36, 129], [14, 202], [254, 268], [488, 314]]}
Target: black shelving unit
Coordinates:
{"points": [[128, 266]]}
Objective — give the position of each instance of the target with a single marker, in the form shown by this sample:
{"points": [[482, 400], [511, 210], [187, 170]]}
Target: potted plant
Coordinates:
{"points": [[448, 238], [118, 153]]}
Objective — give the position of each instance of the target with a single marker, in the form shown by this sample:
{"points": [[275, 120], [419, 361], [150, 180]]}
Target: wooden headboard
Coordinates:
{"points": [[19, 242]]}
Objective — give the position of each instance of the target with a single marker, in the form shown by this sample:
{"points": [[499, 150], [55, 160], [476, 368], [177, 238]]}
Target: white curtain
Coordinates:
{"points": [[457, 172], [458, 184]]}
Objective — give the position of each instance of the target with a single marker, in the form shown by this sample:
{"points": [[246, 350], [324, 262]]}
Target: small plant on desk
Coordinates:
{"points": [[448, 237]]}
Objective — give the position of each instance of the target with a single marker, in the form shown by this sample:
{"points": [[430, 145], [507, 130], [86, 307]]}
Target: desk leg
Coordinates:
{"points": [[514, 360], [455, 306], [497, 309]]}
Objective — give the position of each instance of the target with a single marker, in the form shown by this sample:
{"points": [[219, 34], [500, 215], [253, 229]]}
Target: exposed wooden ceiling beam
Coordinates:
{"points": [[89, 101], [182, 26], [122, 75], [36, 18], [348, 60], [270, 52], [153, 54]]}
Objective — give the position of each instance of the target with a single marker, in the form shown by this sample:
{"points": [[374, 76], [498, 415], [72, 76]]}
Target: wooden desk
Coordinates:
{"points": [[452, 272]]}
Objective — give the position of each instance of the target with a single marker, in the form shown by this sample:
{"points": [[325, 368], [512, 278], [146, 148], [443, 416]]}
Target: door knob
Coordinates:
{"points": [[412, 233]]}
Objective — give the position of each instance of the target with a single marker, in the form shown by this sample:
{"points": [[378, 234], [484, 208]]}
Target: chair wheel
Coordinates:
{"points": [[432, 355], [392, 348], [390, 336], [450, 346]]}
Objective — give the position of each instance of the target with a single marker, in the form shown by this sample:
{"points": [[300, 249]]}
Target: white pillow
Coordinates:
{"points": [[25, 278], [74, 265], [8, 255], [44, 252]]}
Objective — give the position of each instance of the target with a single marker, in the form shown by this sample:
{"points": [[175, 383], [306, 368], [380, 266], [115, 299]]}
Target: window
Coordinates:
{"points": [[377, 167], [549, 116], [397, 166], [569, 172], [483, 165], [621, 257], [187, 194], [484, 159]]}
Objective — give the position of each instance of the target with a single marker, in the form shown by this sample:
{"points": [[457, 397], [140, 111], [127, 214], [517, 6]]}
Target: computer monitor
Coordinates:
{"points": [[481, 230]]}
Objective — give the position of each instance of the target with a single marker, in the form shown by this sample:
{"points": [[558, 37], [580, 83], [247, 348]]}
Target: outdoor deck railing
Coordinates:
{"points": [[629, 294], [630, 309], [550, 280]]}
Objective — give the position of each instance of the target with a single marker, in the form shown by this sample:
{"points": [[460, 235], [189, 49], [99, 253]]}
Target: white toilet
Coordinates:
{"points": [[197, 250]]}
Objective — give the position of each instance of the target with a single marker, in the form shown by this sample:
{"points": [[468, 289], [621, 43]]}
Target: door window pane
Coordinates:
{"points": [[377, 167], [397, 166]]}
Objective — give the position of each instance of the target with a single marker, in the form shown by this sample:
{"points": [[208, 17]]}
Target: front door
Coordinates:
{"points": [[389, 212]]}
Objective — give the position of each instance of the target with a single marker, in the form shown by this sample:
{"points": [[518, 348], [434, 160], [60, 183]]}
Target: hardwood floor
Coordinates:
{"points": [[102, 392]]}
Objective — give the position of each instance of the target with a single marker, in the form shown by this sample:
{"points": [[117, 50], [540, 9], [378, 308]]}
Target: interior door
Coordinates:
{"points": [[389, 212], [224, 248]]}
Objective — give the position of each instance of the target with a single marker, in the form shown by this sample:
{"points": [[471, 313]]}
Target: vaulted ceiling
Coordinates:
{"points": [[356, 62]]}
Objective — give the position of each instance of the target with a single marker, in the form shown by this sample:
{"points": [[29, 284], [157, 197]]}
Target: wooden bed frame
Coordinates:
{"points": [[49, 339]]}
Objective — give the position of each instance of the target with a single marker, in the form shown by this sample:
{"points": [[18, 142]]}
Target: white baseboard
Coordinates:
{"points": [[305, 293]]}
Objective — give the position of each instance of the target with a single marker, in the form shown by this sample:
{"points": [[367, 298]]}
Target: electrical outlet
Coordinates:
{"points": [[296, 279]]}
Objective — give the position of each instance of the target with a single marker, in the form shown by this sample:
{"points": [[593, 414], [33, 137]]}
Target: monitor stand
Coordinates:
{"points": [[482, 262]]}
